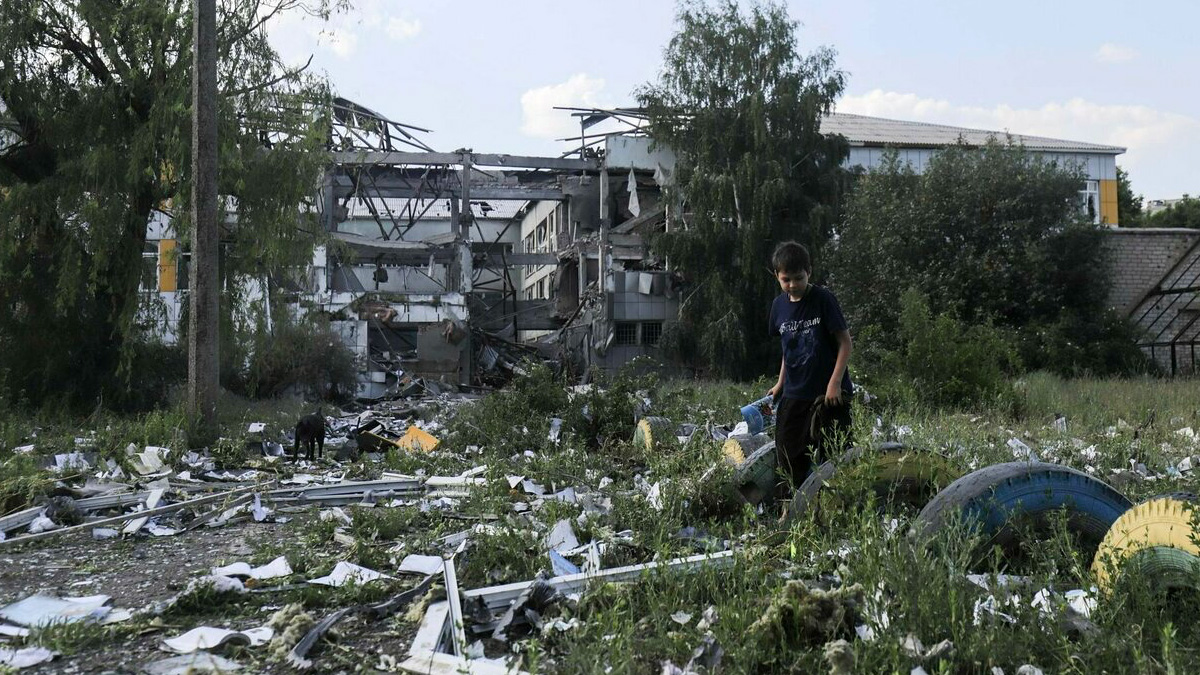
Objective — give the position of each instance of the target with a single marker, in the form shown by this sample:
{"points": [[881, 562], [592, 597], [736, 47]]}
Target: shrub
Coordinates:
{"points": [[606, 412], [303, 353], [1104, 344], [993, 232], [944, 362]]}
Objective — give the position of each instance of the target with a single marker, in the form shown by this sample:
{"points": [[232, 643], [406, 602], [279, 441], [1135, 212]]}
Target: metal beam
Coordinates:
{"points": [[497, 598], [495, 260], [496, 193], [433, 158], [385, 184], [531, 314]]}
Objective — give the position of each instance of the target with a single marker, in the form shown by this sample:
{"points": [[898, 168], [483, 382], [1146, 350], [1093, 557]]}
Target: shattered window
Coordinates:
{"points": [[149, 281], [184, 261], [651, 332], [626, 333]]}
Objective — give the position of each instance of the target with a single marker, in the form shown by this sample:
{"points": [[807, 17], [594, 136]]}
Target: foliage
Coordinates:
{"points": [[944, 362], [97, 101], [1183, 213], [295, 352], [606, 412], [741, 108], [1102, 343], [988, 234], [1129, 205]]}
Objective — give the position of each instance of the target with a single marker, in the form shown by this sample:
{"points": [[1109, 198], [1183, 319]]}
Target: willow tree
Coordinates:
{"points": [[96, 104], [741, 107]]}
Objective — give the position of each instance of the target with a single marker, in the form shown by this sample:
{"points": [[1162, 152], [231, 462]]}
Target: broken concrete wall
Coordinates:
{"points": [[437, 357]]}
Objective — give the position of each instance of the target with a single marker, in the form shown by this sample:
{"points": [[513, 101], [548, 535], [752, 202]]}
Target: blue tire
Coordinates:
{"points": [[997, 501]]}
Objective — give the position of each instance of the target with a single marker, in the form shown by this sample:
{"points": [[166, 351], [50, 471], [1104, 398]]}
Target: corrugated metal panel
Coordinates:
{"points": [[863, 130]]}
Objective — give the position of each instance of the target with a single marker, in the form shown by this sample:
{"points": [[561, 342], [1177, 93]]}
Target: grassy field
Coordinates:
{"points": [[848, 591]]}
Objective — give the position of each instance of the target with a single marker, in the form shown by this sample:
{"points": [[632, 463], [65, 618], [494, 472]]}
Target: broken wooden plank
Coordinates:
{"points": [[209, 515]]}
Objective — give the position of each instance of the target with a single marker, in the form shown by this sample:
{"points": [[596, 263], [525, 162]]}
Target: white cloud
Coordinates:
{"points": [[1157, 141], [541, 120], [1114, 53], [403, 28]]}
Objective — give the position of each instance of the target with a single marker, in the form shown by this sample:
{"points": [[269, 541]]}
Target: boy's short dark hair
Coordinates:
{"points": [[791, 256]]}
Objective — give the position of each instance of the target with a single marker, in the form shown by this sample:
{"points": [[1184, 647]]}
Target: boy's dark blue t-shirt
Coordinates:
{"points": [[805, 331]]}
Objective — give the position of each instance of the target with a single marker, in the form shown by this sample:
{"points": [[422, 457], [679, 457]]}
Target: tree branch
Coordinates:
{"points": [[264, 85]]}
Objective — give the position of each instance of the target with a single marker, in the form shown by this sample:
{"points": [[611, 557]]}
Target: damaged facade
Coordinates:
{"points": [[452, 267]]}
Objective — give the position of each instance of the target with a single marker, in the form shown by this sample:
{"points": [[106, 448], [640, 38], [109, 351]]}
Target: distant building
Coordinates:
{"points": [[1153, 206], [916, 142]]}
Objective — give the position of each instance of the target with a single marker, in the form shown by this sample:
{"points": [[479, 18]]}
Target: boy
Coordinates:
{"points": [[816, 347]]}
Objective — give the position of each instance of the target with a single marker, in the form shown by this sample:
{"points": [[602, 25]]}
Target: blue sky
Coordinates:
{"points": [[486, 74]]}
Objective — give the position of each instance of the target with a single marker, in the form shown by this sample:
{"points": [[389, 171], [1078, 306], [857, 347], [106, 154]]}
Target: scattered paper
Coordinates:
{"points": [[562, 537], [190, 664], [207, 637], [24, 658], [13, 631], [421, 564], [345, 572], [43, 610], [70, 461], [1021, 451], [560, 566], [278, 567], [655, 497]]}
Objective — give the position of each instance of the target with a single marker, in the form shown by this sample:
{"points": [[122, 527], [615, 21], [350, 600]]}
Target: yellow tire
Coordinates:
{"points": [[1161, 536], [653, 431]]}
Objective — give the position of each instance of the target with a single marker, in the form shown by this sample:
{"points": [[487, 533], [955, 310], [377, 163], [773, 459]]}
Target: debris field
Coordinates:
{"points": [[623, 526]]}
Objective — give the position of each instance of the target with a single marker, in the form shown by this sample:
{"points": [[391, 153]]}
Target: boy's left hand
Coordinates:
{"points": [[833, 394]]}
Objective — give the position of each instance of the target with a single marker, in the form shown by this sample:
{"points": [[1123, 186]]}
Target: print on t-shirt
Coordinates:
{"points": [[800, 341]]}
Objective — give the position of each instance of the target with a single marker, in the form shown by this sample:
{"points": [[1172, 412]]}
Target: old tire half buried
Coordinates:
{"points": [[1000, 500], [1159, 537], [895, 473]]}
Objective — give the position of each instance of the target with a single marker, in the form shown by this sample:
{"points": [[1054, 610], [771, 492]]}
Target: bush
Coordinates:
{"points": [[994, 234], [606, 413], [1075, 346], [303, 353], [944, 362]]}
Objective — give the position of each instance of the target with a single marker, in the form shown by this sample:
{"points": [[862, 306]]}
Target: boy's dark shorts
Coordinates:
{"points": [[800, 444]]}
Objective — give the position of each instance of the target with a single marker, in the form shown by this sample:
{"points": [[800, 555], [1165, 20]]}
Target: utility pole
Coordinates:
{"points": [[203, 295], [466, 269]]}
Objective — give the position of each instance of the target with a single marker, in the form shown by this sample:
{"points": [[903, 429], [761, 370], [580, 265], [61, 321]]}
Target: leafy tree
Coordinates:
{"points": [[741, 108], [1129, 205], [97, 96], [1183, 213], [990, 235]]}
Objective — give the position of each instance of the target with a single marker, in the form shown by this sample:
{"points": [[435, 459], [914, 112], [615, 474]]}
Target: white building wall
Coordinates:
{"points": [[539, 234], [1097, 166]]}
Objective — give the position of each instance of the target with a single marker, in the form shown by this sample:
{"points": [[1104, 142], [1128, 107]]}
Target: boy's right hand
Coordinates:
{"points": [[773, 392]]}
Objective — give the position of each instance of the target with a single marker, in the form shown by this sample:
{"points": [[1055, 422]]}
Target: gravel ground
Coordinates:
{"points": [[141, 571]]}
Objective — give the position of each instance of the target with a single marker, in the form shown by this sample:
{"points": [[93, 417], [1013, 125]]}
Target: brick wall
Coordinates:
{"points": [[1139, 257], [1140, 260]]}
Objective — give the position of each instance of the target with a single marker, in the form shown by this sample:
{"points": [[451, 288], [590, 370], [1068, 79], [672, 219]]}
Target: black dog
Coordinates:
{"points": [[310, 430]]}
